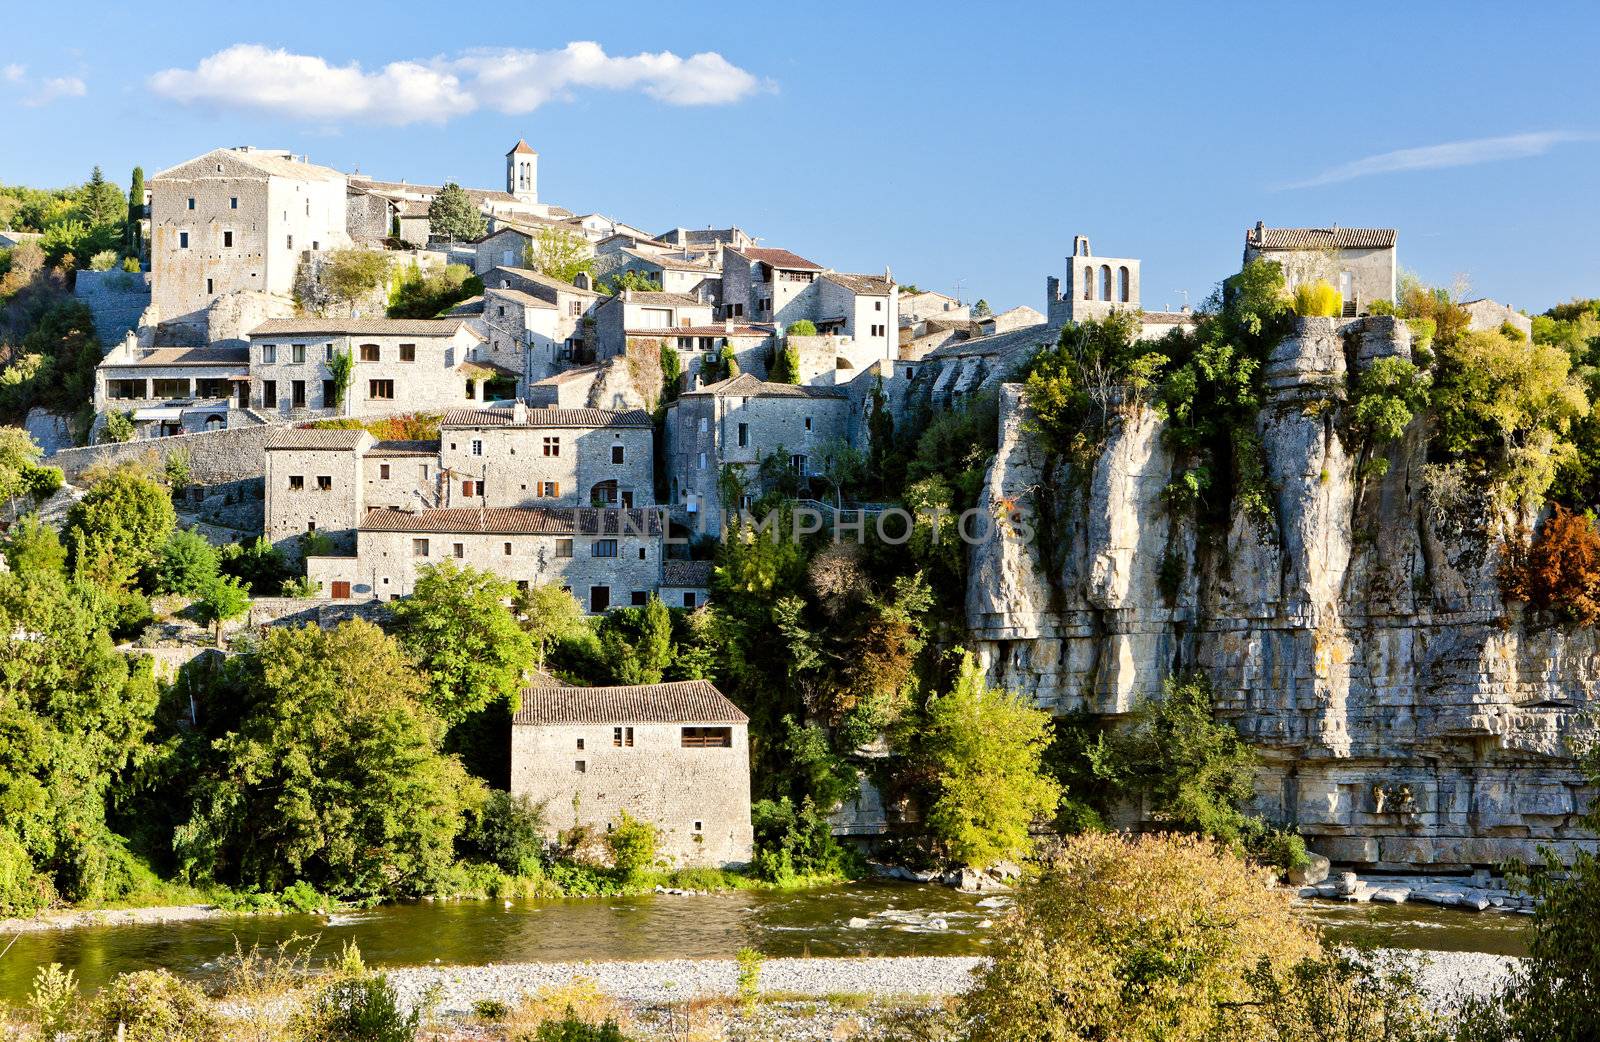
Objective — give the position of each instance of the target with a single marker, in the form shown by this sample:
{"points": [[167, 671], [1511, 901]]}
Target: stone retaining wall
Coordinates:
{"points": [[215, 457]]}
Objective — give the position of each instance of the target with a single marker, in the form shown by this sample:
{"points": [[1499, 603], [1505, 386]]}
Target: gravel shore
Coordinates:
{"points": [[110, 917]]}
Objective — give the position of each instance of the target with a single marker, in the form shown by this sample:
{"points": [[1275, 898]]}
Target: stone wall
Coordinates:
{"points": [[215, 457], [115, 299], [1405, 715]]}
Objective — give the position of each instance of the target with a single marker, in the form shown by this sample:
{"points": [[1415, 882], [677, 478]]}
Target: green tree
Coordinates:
{"points": [[801, 327], [134, 244], [630, 279], [222, 599], [353, 272], [468, 643], [786, 367], [188, 563], [119, 527], [632, 844], [340, 367], [259, 564], [33, 546], [984, 750], [559, 253], [419, 293], [101, 201], [453, 215], [981, 309], [671, 373], [549, 615], [332, 774], [118, 427], [22, 476]]}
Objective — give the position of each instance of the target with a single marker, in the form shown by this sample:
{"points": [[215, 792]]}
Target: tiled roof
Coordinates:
{"points": [[527, 300], [515, 521], [358, 327], [404, 448], [542, 279], [863, 285], [500, 416], [1166, 317], [521, 148], [681, 702], [746, 385], [702, 331], [266, 163], [686, 573], [484, 369], [779, 258], [333, 440], [675, 263], [1319, 238], [1026, 339], [582, 372], [192, 356], [707, 236], [470, 306], [682, 300], [477, 195]]}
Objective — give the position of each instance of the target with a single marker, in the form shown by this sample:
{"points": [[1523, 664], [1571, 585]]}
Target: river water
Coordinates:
{"points": [[878, 918]]}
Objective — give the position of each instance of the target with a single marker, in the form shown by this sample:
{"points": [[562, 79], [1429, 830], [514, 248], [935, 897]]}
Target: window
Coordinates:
{"points": [[702, 461], [707, 738], [603, 548], [877, 305], [341, 589], [324, 483], [227, 238], [269, 394], [638, 599], [191, 202], [126, 388], [183, 240], [408, 352], [296, 482], [419, 548], [269, 354], [878, 330], [575, 308], [1105, 282], [744, 435], [508, 549], [552, 445], [910, 372], [797, 463], [298, 354], [617, 454], [210, 287], [471, 488], [1122, 283], [170, 388], [699, 826], [370, 353], [298, 390], [380, 390], [459, 550], [580, 745], [580, 767], [330, 394], [233, 202], [472, 390], [383, 471], [563, 548], [289, 243], [688, 598], [622, 737], [599, 598], [477, 446], [641, 555], [549, 490], [808, 423]]}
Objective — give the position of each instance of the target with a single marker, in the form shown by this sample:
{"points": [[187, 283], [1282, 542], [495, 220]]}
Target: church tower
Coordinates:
{"points": [[522, 172], [1095, 286]]}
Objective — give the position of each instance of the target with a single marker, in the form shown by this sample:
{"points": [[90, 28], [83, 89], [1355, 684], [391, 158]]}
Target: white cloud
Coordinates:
{"points": [[55, 89], [14, 73], [433, 90], [1449, 154]]}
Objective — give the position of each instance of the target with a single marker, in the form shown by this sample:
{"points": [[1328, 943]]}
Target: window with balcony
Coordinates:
{"points": [[707, 738]]}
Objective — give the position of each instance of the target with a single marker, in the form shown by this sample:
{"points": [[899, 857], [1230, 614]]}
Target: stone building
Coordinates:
{"points": [[314, 483], [864, 308], [685, 584], [700, 346], [606, 558], [768, 285], [707, 238], [916, 308], [400, 365], [1095, 286], [237, 219], [173, 390], [571, 340], [524, 333], [1359, 262], [1490, 315], [1005, 321], [676, 755], [637, 313], [517, 456], [738, 423], [674, 270]]}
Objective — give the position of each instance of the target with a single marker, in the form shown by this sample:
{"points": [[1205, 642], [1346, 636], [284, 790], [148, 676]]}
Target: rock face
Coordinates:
{"points": [[1406, 717]]}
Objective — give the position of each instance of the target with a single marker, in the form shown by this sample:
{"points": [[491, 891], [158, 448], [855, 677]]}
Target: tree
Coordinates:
{"points": [[353, 272], [841, 465], [332, 774], [21, 474], [630, 279], [549, 615], [188, 563], [420, 293], [984, 748], [801, 327], [453, 215], [1318, 299], [340, 367], [119, 526], [632, 844], [222, 599], [134, 245], [118, 427], [671, 373], [1560, 570], [981, 309], [559, 253], [457, 626], [33, 546], [259, 564], [1139, 939], [101, 201], [786, 367]]}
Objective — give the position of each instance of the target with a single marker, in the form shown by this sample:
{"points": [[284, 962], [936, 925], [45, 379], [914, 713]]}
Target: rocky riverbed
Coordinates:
{"points": [[1474, 894]]}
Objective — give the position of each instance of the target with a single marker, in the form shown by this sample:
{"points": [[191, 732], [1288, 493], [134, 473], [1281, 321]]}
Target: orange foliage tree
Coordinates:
{"points": [[1559, 570]]}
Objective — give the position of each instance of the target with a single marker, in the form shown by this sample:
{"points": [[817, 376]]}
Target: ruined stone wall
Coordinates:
{"points": [[115, 299], [1405, 715]]}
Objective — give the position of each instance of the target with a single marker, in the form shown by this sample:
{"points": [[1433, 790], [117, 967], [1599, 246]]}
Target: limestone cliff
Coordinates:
{"points": [[1406, 716]]}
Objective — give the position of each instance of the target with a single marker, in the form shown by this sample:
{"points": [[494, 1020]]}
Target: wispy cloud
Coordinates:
{"points": [[433, 90], [13, 73], [56, 89], [1449, 154]]}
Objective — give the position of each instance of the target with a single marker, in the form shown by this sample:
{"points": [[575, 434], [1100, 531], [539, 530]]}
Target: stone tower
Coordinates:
{"points": [[522, 172], [1095, 286]]}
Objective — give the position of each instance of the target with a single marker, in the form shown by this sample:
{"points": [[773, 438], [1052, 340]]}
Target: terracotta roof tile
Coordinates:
{"points": [[779, 258], [515, 521], [404, 448], [500, 416], [686, 573], [1320, 238], [681, 702], [333, 440], [862, 285], [746, 385], [358, 327]]}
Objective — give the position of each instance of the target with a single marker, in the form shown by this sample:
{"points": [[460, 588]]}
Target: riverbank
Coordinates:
{"points": [[74, 919]]}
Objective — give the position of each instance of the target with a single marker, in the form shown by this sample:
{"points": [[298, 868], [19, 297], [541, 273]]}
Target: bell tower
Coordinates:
{"points": [[522, 172]]}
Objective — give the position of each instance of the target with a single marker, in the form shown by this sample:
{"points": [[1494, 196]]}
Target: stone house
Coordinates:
{"points": [[916, 308], [522, 457], [1484, 314], [1005, 321], [636, 313], [506, 246], [237, 219], [675, 271], [572, 340], [767, 285], [606, 558], [738, 423], [173, 390], [1359, 262], [314, 482], [864, 308], [400, 365], [707, 238], [568, 389], [676, 755], [597, 227], [699, 346], [524, 333], [685, 584]]}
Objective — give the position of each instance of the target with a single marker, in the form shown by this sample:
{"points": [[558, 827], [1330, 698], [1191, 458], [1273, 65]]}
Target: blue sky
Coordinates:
{"points": [[950, 141]]}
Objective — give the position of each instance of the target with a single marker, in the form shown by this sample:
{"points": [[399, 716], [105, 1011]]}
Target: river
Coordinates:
{"points": [[878, 918]]}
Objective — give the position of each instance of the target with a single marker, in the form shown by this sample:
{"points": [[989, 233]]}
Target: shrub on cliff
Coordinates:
{"points": [[1318, 300], [1559, 570]]}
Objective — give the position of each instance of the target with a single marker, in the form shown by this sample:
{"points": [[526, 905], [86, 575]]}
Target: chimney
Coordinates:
{"points": [[727, 325], [519, 412]]}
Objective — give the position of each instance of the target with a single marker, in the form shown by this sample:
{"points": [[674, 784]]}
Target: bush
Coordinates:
{"points": [[792, 843], [802, 327], [632, 844], [507, 831], [1340, 996], [1560, 570], [105, 260], [118, 427], [187, 564], [153, 1006], [1155, 937], [361, 1007], [1318, 300], [570, 1029]]}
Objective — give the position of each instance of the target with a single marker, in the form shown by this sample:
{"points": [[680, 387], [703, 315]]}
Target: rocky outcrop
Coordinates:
{"points": [[1406, 717]]}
